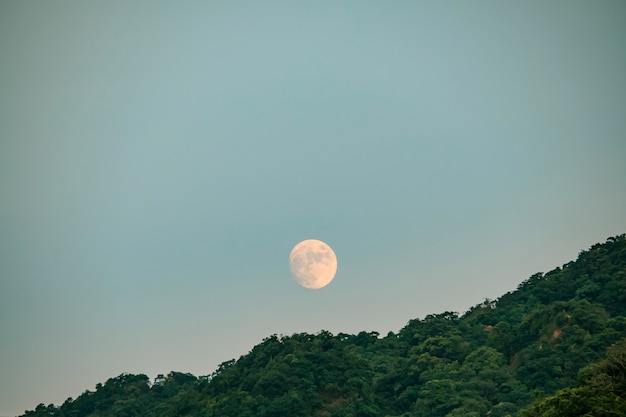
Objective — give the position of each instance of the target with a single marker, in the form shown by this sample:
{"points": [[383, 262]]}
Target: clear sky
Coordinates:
{"points": [[159, 160]]}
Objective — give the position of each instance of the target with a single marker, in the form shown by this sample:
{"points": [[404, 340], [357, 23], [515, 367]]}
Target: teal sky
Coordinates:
{"points": [[159, 160]]}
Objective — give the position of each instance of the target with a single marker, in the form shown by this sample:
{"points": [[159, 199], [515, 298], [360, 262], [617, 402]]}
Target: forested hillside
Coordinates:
{"points": [[543, 347]]}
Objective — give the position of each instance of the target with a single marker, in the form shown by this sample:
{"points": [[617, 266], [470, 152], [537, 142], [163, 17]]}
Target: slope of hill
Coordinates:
{"points": [[494, 360]]}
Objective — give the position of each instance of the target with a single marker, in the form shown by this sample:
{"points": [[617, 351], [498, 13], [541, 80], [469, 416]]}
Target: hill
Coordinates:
{"points": [[494, 360]]}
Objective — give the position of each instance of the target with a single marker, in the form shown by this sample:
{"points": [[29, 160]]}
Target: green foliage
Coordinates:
{"points": [[602, 390], [535, 342]]}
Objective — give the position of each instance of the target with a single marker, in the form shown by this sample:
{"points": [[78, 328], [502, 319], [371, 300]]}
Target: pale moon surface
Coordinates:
{"points": [[313, 263]]}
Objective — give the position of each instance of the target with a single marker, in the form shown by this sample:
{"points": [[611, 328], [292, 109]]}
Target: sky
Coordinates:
{"points": [[159, 160]]}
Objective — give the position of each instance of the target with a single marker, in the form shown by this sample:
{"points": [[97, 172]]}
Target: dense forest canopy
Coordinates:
{"points": [[555, 346]]}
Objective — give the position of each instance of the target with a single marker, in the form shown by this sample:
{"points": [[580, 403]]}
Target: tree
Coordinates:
{"points": [[602, 390]]}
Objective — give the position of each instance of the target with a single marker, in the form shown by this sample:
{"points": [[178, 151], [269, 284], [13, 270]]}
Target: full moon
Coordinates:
{"points": [[313, 263]]}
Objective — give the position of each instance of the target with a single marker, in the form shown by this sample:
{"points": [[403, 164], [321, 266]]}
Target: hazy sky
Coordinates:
{"points": [[158, 161]]}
